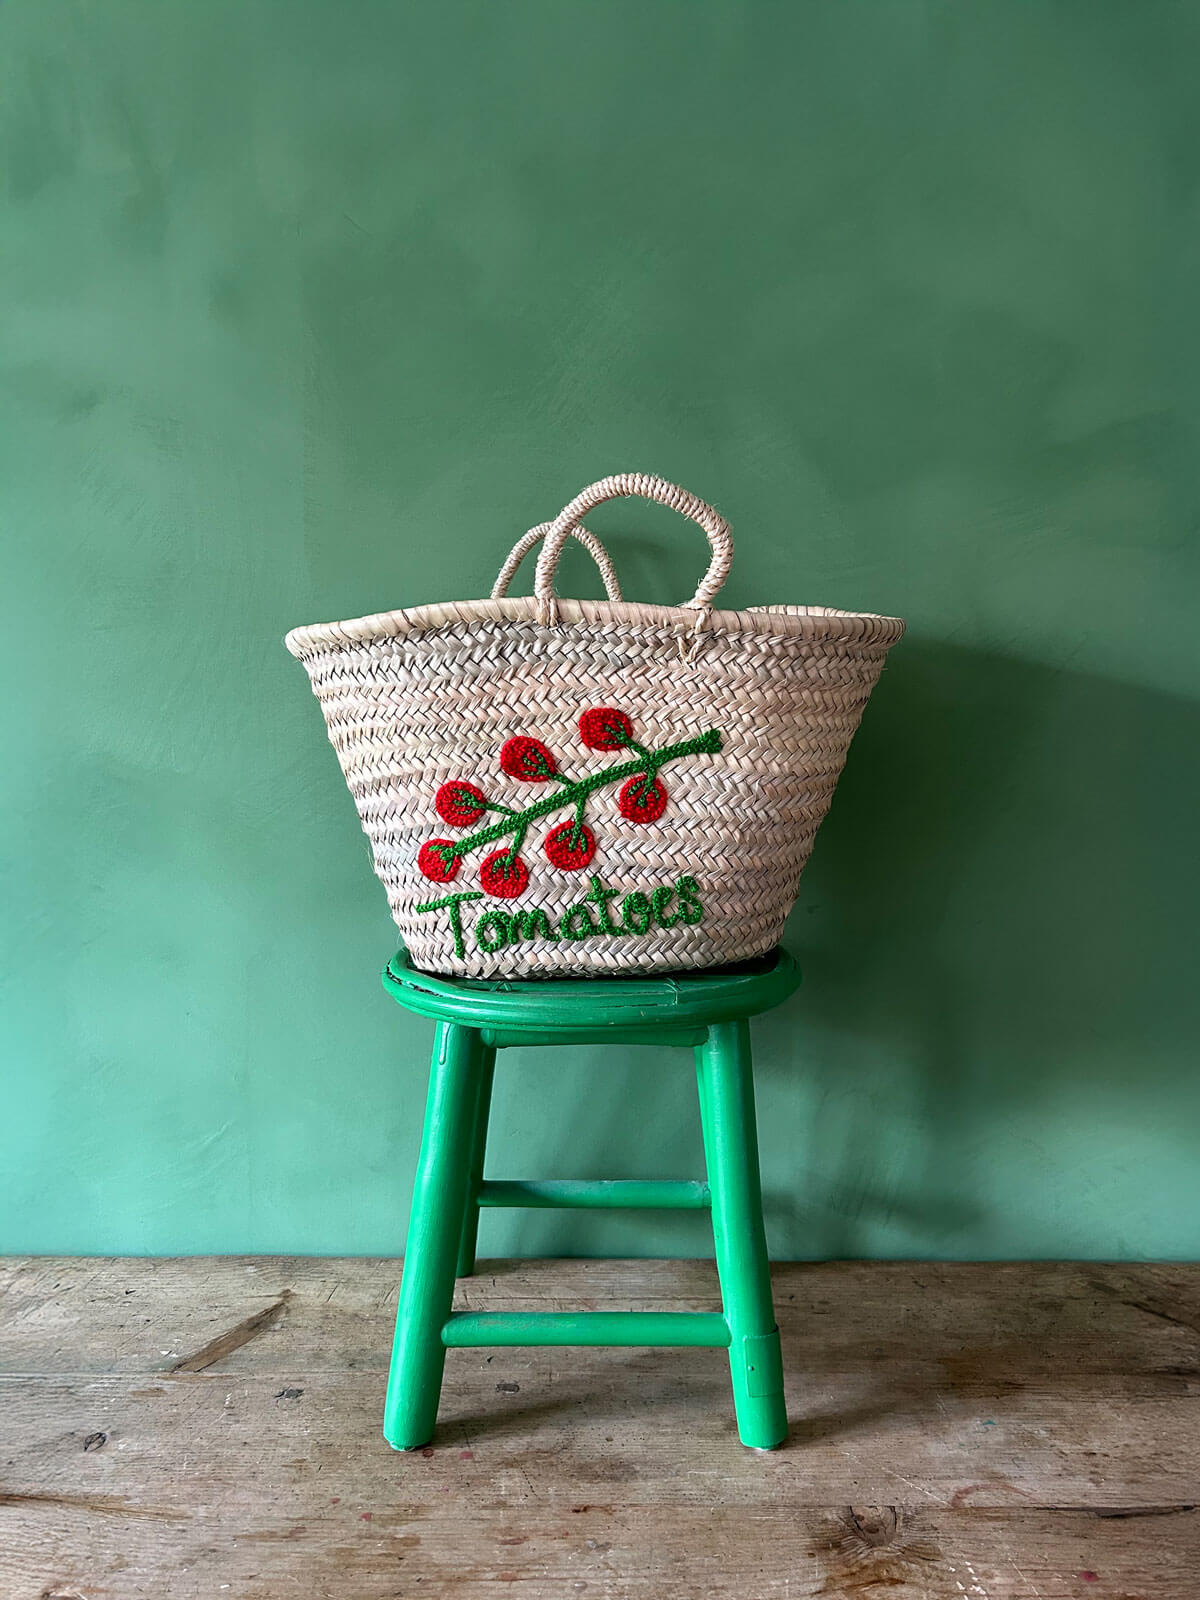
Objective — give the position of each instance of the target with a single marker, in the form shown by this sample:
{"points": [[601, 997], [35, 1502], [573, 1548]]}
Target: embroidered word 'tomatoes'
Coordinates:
{"points": [[588, 918]]}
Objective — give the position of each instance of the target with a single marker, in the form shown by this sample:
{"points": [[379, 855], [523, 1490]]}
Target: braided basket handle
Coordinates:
{"points": [[526, 542], [619, 487]]}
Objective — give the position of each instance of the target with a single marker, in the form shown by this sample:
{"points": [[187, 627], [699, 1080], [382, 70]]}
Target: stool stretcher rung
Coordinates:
{"points": [[649, 1194], [678, 1328]]}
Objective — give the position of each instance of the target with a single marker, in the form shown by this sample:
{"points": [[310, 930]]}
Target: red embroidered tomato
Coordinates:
{"points": [[503, 878], [641, 800], [605, 728], [438, 863], [562, 853], [527, 759], [460, 804]]}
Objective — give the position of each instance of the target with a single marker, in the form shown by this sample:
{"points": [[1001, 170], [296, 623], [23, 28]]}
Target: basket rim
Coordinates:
{"points": [[818, 623]]}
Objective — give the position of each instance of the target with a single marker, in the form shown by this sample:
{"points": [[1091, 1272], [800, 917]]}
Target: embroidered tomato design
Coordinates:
{"points": [[605, 728], [437, 861], [528, 760], [642, 799], [503, 875], [460, 804], [570, 846]]}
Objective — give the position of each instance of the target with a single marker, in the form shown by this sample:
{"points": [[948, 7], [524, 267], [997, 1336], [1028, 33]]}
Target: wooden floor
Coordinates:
{"points": [[211, 1427]]}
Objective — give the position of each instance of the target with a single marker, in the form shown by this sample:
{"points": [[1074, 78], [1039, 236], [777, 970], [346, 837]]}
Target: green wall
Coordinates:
{"points": [[310, 308]]}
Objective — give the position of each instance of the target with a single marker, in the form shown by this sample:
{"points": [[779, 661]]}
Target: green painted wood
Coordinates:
{"points": [[435, 1237], [529, 1038], [483, 1105], [451, 1189], [725, 1074], [643, 1194], [563, 1007], [678, 1328]]}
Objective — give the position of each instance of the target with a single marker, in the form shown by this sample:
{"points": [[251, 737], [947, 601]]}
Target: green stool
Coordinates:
{"points": [[707, 1011]]}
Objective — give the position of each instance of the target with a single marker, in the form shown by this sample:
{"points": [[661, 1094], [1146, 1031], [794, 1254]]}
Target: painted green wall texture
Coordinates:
{"points": [[310, 309]]}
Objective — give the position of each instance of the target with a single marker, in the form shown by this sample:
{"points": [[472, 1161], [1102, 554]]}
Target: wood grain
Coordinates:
{"points": [[993, 1433]]}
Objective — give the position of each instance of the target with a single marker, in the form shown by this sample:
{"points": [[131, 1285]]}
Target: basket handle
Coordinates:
{"points": [[619, 487], [526, 542]]}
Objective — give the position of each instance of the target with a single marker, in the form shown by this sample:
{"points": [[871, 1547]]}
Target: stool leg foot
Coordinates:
{"points": [[726, 1081], [483, 1106], [434, 1237]]}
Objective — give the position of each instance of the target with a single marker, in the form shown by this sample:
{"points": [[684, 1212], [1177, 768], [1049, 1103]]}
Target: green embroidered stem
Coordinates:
{"points": [[577, 830], [577, 792], [650, 766]]}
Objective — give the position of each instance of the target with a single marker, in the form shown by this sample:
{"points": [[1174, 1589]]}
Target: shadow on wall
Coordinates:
{"points": [[996, 931]]}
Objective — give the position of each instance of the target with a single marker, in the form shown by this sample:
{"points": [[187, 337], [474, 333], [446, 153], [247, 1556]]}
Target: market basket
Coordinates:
{"points": [[556, 786]]}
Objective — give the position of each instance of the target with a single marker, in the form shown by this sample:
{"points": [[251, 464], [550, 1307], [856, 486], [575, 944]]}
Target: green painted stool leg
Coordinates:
{"points": [[434, 1237], [726, 1080], [483, 1106]]}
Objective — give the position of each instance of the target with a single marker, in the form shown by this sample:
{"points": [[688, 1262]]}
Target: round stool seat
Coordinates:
{"points": [[684, 1000]]}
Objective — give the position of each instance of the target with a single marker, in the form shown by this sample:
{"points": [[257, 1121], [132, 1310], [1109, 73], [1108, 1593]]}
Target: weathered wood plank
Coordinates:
{"points": [[1033, 1323], [657, 1424], [994, 1433], [606, 1552]]}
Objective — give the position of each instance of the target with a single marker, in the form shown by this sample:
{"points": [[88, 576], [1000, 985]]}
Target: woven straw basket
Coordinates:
{"points": [[573, 786]]}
